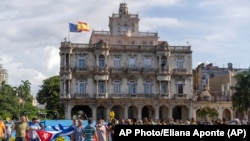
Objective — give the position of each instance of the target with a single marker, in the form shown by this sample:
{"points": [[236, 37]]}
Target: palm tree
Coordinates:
{"points": [[241, 96], [23, 92]]}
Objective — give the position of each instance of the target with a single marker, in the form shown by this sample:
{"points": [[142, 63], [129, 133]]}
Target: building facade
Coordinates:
{"points": [[129, 73], [3, 75]]}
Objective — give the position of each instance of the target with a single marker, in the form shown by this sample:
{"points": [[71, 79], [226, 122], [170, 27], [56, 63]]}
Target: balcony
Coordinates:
{"points": [[140, 96], [147, 70], [179, 71], [163, 70], [65, 68], [101, 70], [133, 70], [79, 95], [81, 69], [218, 98], [116, 70], [180, 96], [161, 96], [100, 95]]}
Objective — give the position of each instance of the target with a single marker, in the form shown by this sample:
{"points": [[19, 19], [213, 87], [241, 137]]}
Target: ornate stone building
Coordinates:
{"points": [[129, 72], [3, 75]]}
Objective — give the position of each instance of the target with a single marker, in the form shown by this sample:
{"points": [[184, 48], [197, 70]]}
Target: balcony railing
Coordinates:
{"points": [[133, 96], [80, 95], [214, 98], [180, 96], [179, 71], [81, 69], [65, 68], [116, 70], [147, 70]]}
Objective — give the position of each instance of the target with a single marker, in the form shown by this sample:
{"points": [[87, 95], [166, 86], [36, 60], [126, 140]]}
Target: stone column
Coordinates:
{"points": [[156, 107], [68, 109], [93, 108], [108, 109], [220, 112], [97, 60], [139, 112], [126, 111], [159, 63], [190, 112], [106, 88], [170, 115], [97, 87], [168, 91]]}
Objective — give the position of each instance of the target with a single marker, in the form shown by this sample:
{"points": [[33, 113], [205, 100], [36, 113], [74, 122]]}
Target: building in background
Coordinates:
{"points": [[213, 84], [131, 74], [3, 75]]}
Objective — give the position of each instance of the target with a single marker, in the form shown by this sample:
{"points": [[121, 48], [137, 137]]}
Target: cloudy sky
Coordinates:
{"points": [[32, 30]]}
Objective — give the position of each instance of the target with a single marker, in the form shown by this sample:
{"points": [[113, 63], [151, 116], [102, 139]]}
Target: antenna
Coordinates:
{"points": [[187, 43]]}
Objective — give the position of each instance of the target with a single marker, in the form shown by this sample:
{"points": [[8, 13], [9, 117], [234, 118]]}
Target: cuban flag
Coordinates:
{"points": [[45, 135], [50, 135]]}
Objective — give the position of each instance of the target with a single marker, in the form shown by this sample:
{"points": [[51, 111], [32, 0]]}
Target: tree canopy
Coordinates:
{"points": [[49, 95], [241, 96], [15, 101]]}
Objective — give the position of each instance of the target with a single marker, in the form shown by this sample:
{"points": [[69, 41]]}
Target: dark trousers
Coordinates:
{"points": [[20, 139], [33, 139]]}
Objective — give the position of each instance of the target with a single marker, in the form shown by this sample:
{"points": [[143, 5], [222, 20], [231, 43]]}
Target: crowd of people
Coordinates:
{"points": [[100, 131], [104, 130], [24, 128]]}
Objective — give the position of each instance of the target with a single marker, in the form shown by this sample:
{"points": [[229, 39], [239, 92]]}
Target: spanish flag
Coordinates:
{"points": [[82, 26]]}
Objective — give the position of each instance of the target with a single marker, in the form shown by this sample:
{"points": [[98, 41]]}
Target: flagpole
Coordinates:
{"points": [[68, 32]]}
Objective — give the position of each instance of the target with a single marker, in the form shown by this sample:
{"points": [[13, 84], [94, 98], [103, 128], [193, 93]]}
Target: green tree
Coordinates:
{"points": [[241, 96], [6, 89], [207, 112], [16, 100], [49, 95]]}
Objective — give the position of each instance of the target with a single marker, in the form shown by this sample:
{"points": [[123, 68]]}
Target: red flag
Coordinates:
{"points": [[43, 135], [27, 136]]}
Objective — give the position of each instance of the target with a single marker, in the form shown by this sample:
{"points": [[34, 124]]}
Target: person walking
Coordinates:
{"points": [[77, 134], [2, 130], [33, 126], [101, 130], [9, 129], [21, 129], [89, 132]]}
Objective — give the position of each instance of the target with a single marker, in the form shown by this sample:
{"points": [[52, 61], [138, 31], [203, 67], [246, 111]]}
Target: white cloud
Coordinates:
{"points": [[53, 59], [31, 32]]}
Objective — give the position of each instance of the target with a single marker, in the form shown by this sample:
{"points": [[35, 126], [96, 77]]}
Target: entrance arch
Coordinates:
{"points": [[101, 114], [226, 114], [118, 110], [180, 112], [81, 111], [132, 112], [148, 112], [163, 112]]}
